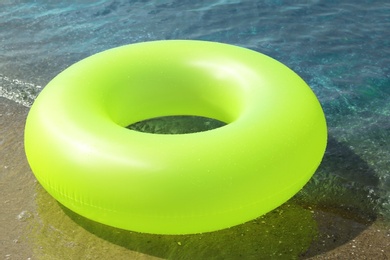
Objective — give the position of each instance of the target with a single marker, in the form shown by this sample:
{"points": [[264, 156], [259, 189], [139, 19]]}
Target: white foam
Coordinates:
{"points": [[19, 91]]}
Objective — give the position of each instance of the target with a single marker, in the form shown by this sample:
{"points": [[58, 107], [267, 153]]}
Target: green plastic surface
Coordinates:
{"points": [[82, 154]]}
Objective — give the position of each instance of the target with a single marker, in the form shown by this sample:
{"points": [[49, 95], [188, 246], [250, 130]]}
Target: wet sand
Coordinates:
{"points": [[34, 226]]}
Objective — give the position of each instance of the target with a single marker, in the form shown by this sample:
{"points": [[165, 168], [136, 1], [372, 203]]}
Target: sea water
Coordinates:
{"points": [[340, 48]]}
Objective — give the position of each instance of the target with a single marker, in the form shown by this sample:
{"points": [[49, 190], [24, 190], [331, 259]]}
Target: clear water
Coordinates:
{"points": [[341, 49]]}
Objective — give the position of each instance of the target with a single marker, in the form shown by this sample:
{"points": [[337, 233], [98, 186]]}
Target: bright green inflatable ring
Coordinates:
{"points": [[82, 154]]}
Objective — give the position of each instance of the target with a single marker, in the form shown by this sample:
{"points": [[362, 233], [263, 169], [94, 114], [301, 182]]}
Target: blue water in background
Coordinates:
{"points": [[340, 48]]}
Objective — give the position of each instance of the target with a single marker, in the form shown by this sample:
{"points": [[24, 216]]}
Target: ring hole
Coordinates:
{"points": [[176, 125]]}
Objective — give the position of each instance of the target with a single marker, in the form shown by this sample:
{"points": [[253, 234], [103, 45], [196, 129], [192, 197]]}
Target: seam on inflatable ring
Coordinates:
{"points": [[71, 198], [242, 206]]}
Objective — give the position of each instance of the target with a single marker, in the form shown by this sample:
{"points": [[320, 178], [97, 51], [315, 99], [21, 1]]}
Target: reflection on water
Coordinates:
{"points": [[343, 182], [176, 125]]}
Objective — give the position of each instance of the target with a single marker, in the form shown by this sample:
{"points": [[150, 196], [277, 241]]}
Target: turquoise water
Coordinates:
{"points": [[340, 48]]}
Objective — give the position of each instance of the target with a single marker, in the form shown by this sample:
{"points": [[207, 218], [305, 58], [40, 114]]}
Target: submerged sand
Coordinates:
{"points": [[34, 226]]}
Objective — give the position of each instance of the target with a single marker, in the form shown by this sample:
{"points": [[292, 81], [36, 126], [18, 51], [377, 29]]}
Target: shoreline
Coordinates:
{"points": [[33, 225], [16, 181]]}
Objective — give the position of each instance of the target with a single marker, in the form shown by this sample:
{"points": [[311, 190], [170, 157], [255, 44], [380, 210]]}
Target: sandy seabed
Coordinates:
{"points": [[34, 226]]}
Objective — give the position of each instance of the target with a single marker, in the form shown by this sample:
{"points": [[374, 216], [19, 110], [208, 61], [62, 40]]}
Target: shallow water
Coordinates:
{"points": [[340, 48]]}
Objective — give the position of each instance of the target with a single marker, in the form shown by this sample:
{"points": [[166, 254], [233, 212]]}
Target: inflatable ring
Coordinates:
{"points": [[81, 152]]}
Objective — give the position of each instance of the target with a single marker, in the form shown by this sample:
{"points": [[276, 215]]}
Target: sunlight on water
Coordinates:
{"points": [[21, 92]]}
